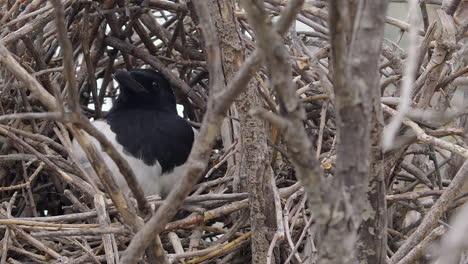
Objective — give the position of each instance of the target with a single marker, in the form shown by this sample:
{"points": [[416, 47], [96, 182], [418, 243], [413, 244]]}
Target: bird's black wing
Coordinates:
{"points": [[162, 137]]}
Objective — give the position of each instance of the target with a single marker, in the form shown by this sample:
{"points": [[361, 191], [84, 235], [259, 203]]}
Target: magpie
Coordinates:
{"points": [[144, 127]]}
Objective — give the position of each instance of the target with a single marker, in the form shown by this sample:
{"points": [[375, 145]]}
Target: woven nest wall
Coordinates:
{"points": [[57, 59]]}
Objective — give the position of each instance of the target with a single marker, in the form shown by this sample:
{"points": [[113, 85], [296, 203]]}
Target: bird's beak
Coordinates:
{"points": [[125, 79]]}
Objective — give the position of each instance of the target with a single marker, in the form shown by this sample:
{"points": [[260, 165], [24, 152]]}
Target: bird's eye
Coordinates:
{"points": [[155, 85]]}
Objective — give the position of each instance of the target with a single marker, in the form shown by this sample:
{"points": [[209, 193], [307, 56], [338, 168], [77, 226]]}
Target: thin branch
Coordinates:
{"points": [[67, 51], [431, 218], [409, 76], [31, 83]]}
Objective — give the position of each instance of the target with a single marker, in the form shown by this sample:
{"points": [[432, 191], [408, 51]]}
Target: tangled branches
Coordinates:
{"points": [[291, 100]]}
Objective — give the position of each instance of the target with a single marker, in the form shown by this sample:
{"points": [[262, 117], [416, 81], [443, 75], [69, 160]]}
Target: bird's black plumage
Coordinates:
{"points": [[145, 128], [146, 122]]}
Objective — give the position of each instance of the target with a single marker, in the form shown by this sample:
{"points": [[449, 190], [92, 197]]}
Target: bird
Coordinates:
{"points": [[145, 128]]}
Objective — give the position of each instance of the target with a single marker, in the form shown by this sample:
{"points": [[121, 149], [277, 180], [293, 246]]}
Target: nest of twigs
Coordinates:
{"points": [[57, 60]]}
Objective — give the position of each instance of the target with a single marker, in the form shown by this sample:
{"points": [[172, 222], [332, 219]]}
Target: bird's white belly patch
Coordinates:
{"points": [[149, 177]]}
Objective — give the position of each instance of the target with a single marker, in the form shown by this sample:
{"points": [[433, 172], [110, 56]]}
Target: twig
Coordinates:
{"points": [[223, 250], [35, 243], [454, 241], [408, 80], [432, 216], [421, 135], [419, 249], [21, 74], [67, 50]]}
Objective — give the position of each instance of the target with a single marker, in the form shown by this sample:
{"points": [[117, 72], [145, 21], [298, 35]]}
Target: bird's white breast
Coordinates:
{"points": [[149, 177]]}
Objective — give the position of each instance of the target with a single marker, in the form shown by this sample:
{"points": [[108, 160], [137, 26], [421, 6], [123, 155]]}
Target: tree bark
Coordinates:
{"points": [[365, 54], [255, 173], [360, 200]]}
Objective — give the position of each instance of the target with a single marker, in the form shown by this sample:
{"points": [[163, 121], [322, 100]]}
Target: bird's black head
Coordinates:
{"points": [[144, 88]]}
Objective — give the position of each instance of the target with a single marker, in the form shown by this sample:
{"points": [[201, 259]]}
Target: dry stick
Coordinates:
{"points": [[196, 253], [32, 202], [35, 52], [16, 221], [232, 150], [39, 21], [29, 254], [402, 25], [455, 240], [89, 65], [452, 77], [67, 51], [176, 243], [121, 163], [423, 48], [16, 157], [122, 203], [88, 251], [299, 241], [425, 16], [29, 81], [103, 219], [430, 2], [413, 195], [314, 64], [214, 196], [271, 247], [161, 32], [450, 6], [35, 243], [222, 250], [72, 179], [323, 118], [66, 142], [6, 237], [83, 232], [26, 184], [285, 192], [26, 16], [62, 218], [13, 187], [38, 137], [47, 71], [419, 249], [223, 210], [279, 217], [445, 43], [431, 218], [408, 81], [218, 104], [145, 38], [287, 232], [421, 135], [209, 215], [13, 261], [232, 231], [297, 210], [77, 205], [195, 238], [42, 116], [417, 173]]}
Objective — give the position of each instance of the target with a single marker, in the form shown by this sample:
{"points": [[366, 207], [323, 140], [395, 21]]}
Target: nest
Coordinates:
{"points": [[57, 60]]}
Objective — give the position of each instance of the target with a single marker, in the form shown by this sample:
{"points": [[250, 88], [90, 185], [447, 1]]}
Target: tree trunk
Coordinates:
{"points": [[255, 173], [359, 179]]}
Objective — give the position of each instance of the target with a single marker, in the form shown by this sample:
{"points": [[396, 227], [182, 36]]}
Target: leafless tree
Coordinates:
{"points": [[322, 137]]}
